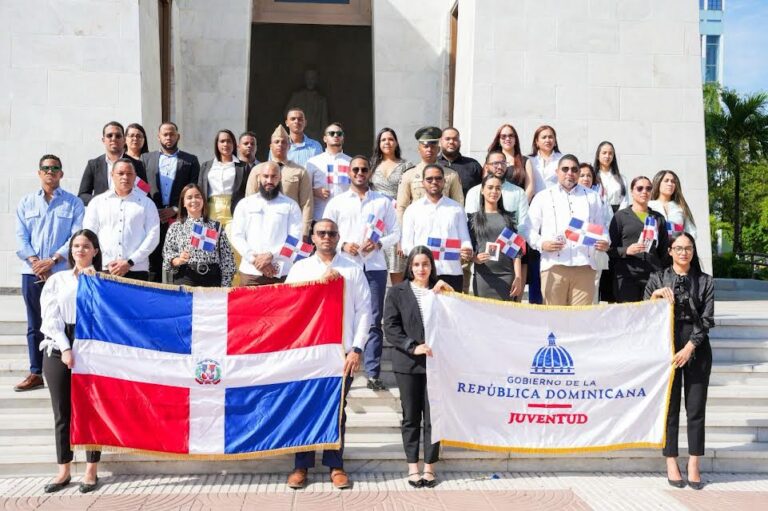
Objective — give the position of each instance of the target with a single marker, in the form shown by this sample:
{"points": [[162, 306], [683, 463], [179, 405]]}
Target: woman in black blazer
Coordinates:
{"points": [[404, 329], [222, 180], [634, 258]]}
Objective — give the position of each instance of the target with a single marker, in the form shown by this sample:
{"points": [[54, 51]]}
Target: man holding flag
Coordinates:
{"points": [[367, 226], [566, 223], [329, 170], [326, 263], [441, 224], [261, 225]]}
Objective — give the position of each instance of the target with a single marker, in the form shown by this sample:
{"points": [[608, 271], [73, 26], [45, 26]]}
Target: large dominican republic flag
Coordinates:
{"points": [[213, 372]]}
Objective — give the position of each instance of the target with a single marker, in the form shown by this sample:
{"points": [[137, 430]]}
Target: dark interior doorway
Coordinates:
{"points": [[342, 57]]}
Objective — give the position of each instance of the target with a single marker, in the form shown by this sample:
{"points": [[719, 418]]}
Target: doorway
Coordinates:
{"points": [[341, 55]]}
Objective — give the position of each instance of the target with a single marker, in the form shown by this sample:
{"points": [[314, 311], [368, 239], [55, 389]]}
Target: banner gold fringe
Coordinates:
{"points": [[206, 457], [551, 450]]}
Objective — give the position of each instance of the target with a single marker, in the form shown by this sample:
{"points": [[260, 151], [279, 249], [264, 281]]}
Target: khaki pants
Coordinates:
{"points": [[568, 285]]}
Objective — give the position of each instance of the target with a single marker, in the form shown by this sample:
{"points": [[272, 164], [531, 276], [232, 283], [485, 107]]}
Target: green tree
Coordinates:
{"points": [[737, 138]]}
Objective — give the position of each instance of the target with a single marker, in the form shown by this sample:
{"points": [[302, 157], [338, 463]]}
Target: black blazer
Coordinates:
{"points": [[625, 230], [187, 171], [404, 329], [95, 179], [238, 188]]}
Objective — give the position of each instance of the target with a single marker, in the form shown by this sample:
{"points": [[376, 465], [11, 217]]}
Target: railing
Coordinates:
{"points": [[755, 260]]}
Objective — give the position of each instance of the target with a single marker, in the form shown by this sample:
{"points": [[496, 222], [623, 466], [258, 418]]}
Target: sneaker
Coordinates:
{"points": [[33, 381], [376, 384]]}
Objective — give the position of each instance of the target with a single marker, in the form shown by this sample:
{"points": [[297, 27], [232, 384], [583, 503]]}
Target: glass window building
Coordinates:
{"points": [[711, 30]]}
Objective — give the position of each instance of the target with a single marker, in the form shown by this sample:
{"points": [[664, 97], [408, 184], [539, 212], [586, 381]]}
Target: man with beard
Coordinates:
{"points": [[168, 171], [327, 263], [469, 170], [246, 148], [330, 169], [261, 224]]}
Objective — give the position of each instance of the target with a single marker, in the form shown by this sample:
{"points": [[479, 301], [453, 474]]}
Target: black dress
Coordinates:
{"points": [[494, 278]]}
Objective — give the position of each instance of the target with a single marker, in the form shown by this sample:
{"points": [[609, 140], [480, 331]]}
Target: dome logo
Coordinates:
{"points": [[552, 360]]}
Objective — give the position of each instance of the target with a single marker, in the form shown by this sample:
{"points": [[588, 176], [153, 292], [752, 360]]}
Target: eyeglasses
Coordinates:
{"points": [[114, 135], [498, 164], [502, 136], [359, 170], [572, 170], [643, 188], [50, 169], [680, 250], [326, 234], [135, 135], [427, 143], [433, 179], [335, 133]]}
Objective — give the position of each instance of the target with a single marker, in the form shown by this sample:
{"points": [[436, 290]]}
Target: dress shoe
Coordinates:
{"points": [[376, 384], [33, 381], [297, 479], [416, 483], [89, 487], [340, 479], [696, 485], [54, 487], [677, 484], [429, 483]]}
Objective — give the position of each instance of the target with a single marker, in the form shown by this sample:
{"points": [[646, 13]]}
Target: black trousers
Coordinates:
{"points": [[693, 380], [629, 288], [58, 376], [455, 281], [415, 403], [188, 277]]}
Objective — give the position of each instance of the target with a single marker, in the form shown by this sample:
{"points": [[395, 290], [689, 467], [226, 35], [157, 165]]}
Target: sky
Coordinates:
{"points": [[745, 31]]}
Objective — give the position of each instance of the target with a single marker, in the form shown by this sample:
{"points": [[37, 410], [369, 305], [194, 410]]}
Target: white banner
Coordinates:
{"points": [[520, 378]]}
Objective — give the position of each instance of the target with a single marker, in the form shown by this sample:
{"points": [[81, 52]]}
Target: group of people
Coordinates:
{"points": [[575, 233]]}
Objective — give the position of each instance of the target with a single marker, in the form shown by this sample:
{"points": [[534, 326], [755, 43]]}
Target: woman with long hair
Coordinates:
{"points": [[692, 293], [498, 276], [588, 178], [545, 154], [58, 304], [222, 180], [197, 265], [613, 183], [667, 198], [638, 243], [387, 167], [135, 141], [519, 168], [404, 329]]}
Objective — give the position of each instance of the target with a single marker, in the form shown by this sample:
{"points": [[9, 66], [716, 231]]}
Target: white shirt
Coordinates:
{"points": [[673, 213], [221, 178], [260, 226], [357, 294], [317, 166], [514, 199], [549, 215], [110, 164], [58, 305], [612, 189], [128, 227], [544, 175], [445, 219], [351, 215]]}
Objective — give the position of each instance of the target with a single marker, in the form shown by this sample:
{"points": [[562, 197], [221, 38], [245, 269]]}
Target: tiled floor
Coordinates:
{"points": [[464, 491]]}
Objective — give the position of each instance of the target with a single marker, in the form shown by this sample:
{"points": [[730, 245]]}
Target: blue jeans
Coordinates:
{"points": [[331, 457], [31, 292], [377, 281]]}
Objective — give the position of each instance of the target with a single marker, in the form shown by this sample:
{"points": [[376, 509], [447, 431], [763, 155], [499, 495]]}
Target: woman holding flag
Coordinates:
{"points": [[638, 243], [492, 230], [667, 198], [58, 304], [196, 248]]}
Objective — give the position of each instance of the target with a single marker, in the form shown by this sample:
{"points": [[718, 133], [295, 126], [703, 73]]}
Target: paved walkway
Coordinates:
{"points": [[464, 491]]}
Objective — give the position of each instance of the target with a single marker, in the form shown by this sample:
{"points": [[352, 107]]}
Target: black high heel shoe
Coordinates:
{"points": [[54, 487], [676, 483]]}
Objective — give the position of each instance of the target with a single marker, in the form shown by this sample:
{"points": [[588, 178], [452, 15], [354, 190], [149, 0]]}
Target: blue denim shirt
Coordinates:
{"points": [[43, 229]]}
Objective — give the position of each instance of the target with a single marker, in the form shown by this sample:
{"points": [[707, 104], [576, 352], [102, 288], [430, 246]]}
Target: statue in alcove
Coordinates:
{"points": [[313, 103]]}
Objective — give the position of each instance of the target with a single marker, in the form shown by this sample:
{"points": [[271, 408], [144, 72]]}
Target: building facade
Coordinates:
{"points": [[628, 72], [711, 27]]}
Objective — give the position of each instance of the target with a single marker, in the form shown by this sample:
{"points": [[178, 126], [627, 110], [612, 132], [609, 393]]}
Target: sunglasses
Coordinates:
{"points": [[572, 170], [359, 170], [643, 188], [326, 234], [50, 169], [506, 136], [433, 179], [335, 133], [114, 135]]}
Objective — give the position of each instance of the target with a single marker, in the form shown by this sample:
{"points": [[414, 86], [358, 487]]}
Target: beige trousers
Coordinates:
{"points": [[568, 285]]}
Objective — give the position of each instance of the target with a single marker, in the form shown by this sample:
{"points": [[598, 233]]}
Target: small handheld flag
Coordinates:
{"points": [[375, 228], [446, 249], [295, 250], [583, 233], [674, 230], [142, 185], [649, 233], [204, 237], [510, 243], [338, 174]]}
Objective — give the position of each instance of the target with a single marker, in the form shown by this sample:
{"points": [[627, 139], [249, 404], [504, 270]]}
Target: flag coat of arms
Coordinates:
{"points": [[510, 243], [204, 237], [295, 249], [213, 373], [375, 228], [338, 174], [584, 233], [448, 249]]}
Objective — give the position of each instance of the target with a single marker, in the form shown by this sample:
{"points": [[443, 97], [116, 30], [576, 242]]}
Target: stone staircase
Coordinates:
{"points": [[737, 417]]}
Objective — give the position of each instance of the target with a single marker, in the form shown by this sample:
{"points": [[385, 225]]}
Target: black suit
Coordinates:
{"points": [[187, 171], [404, 329], [95, 179], [238, 188]]}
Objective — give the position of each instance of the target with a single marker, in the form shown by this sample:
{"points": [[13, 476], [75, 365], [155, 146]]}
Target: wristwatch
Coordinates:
{"points": [[130, 262], [357, 350]]}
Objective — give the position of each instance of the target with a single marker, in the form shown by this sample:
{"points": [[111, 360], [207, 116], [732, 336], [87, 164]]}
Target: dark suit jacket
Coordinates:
{"points": [[625, 230], [404, 329], [238, 188], [95, 180], [187, 171]]}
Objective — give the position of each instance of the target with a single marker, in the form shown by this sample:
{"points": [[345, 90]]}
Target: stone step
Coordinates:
{"points": [[13, 345], [739, 350]]}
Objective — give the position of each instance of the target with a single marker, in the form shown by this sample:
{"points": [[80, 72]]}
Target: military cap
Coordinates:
{"points": [[429, 134]]}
